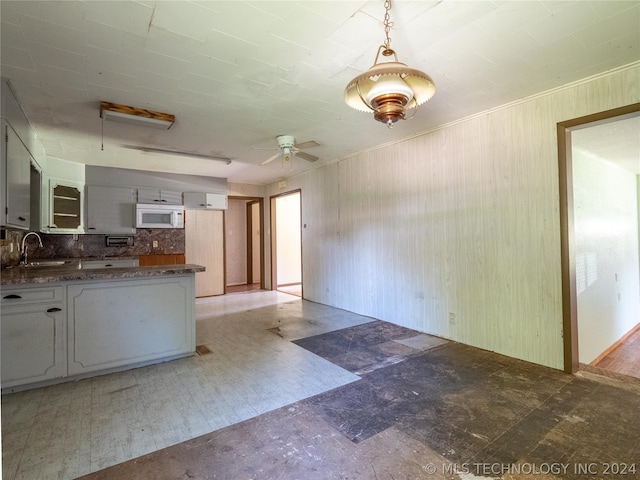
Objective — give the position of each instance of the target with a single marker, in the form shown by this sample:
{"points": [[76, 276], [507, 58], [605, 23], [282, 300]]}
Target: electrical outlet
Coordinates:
{"points": [[155, 244], [452, 318]]}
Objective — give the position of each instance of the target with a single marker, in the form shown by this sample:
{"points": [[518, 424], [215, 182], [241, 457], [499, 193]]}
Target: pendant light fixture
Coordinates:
{"points": [[389, 89]]}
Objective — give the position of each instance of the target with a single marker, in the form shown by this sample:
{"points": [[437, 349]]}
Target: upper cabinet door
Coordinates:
{"points": [[155, 196], [65, 202], [110, 210], [16, 173], [205, 201]]}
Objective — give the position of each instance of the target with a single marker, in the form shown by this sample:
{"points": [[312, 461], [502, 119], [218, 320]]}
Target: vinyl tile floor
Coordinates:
{"points": [[71, 429], [297, 390]]}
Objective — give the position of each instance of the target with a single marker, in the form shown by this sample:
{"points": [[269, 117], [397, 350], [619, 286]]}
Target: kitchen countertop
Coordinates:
{"points": [[71, 272]]}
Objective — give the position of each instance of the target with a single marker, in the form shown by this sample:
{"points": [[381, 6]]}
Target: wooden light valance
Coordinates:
{"points": [[135, 115]]}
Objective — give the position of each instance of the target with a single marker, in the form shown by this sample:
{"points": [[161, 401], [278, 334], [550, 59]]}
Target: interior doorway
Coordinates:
{"points": [[286, 243], [244, 240], [599, 238]]}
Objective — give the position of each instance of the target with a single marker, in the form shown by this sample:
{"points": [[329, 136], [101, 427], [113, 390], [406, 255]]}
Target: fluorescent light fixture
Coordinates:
{"points": [[162, 151], [136, 116]]}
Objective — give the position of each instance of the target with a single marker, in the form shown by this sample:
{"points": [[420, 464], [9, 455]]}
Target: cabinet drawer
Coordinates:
{"points": [[30, 295]]}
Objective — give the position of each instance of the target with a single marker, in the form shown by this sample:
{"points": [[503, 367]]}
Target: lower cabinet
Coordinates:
{"points": [[106, 326], [32, 331], [118, 323]]}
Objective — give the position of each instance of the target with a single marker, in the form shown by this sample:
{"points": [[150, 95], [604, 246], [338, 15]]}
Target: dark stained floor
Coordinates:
{"points": [[443, 410]]}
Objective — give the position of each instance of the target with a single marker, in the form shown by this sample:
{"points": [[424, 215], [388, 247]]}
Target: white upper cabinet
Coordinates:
{"points": [[12, 113], [16, 180], [65, 202], [110, 210], [62, 202], [205, 201], [166, 197]]}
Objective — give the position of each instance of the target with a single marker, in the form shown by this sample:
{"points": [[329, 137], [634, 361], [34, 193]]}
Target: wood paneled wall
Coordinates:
{"points": [[456, 232], [204, 245]]}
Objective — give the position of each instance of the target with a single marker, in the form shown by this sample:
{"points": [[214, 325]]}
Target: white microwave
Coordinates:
{"points": [[159, 216]]}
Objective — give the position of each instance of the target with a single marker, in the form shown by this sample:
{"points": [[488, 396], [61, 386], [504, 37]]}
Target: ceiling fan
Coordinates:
{"points": [[288, 148]]}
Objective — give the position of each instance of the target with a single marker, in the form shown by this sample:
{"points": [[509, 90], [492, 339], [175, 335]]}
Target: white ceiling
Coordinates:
{"points": [[237, 74]]}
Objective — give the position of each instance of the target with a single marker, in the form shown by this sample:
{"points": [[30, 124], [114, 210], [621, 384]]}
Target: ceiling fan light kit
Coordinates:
{"points": [[136, 116], [389, 89]]}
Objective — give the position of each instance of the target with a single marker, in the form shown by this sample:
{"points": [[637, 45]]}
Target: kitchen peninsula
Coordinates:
{"points": [[63, 322]]}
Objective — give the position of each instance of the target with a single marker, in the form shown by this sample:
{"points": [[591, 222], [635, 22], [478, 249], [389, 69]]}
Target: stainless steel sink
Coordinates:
{"points": [[77, 263], [47, 264]]}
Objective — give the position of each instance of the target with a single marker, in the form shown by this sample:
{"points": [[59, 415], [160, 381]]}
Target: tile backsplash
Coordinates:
{"points": [[169, 241]]}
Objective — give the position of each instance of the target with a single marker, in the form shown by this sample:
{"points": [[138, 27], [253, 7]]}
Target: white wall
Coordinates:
{"points": [[606, 245], [245, 190], [288, 240], [455, 232]]}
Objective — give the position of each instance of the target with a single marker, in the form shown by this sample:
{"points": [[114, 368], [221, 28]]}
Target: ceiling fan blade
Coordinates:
{"points": [[306, 156], [309, 144], [270, 159]]}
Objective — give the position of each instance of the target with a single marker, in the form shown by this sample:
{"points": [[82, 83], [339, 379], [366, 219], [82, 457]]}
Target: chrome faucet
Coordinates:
{"points": [[23, 248]]}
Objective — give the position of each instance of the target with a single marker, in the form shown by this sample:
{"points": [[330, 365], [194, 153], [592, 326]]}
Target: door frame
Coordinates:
{"points": [[250, 246], [274, 256], [260, 202], [567, 232]]}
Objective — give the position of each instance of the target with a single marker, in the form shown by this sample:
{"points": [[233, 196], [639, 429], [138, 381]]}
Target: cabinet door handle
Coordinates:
{"points": [[91, 228], [12, 296], [54, 309], [22, 219], [108, 265]]}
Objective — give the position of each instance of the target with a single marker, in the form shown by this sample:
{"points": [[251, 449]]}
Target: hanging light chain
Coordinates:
{"points": [[388, 24]]}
